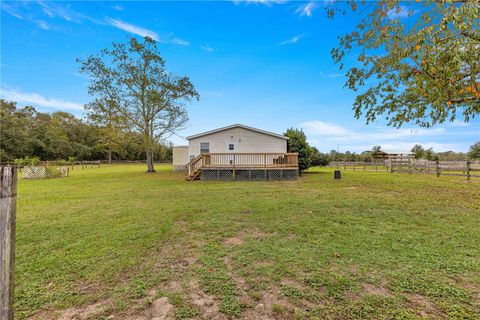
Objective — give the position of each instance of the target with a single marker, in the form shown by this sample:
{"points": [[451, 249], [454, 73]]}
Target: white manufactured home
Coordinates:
{"points": [[236, 152]]}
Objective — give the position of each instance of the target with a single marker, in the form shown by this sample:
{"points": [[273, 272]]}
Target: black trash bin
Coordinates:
{"points": [[337, 175]]}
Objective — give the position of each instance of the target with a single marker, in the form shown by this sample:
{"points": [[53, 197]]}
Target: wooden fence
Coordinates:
{"points": [[359, 166], [85, 164], [468, 169], [8, 203]]}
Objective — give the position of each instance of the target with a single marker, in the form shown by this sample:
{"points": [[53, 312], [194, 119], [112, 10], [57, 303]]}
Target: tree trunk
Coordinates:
{"points": [[150, 167], [109, 156]]}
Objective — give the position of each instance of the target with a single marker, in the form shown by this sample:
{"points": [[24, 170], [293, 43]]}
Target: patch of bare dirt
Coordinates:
{"points": [[272, 305], [207, 304], [90, 311], [377, 291], [235, 241], [425, 307], [161, 309]]}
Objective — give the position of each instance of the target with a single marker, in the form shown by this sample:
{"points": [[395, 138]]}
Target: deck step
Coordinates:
{"points": [[194, 175]]}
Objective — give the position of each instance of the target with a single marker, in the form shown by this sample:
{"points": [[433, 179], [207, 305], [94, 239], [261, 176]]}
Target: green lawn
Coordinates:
{"points": [[109, 241]]}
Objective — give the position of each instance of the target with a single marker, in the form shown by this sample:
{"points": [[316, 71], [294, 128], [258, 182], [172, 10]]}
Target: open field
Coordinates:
{"points": [[109, 241]]}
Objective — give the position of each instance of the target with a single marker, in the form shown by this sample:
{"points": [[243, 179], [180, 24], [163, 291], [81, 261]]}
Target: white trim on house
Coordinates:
{"points": [[237, 126]]}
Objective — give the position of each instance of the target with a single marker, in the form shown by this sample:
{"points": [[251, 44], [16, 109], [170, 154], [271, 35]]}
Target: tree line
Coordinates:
{"points": [[27, 132], [309, 156], [428, 154]]}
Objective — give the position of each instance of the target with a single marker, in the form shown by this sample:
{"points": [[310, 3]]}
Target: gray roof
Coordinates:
{"points": [[237, 126]]}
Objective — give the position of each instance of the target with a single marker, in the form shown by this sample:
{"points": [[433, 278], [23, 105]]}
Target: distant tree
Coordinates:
{"points": [[297, 142], [111, 123], [419, 151], [474, 152], [15, 141], [451, 156], [318, 159], [417, 62], [25, 132], [429, 154], [133, 80], [335, 155], [366, 156], [376, 148]]}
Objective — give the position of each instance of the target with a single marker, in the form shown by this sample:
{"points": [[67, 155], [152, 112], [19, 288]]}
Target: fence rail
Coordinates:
{"points": [[468, 169]]}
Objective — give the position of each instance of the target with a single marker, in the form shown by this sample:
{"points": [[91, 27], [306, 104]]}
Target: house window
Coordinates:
{"points": [[204, 147], [231, 147]]}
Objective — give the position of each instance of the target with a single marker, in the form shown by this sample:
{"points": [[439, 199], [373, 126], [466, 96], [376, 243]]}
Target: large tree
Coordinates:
{"points": [[416, 62], [132, 79]]}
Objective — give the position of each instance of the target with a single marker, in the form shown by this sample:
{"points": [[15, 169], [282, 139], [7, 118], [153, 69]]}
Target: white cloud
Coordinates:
{"points": [[325, 129], [39, 100], [132, 28], [207, 48], [458, 123], [60, 11], [178, 41], [11, 10], [292, 40], [143, 32], [331, 75], [398, 13], [328, 135], [118, 7], [43, 25], [263, 2], [307, 9]]}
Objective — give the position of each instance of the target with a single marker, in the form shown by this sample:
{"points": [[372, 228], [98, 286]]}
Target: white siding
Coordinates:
{"points": [[244, 141], [180, 157]]}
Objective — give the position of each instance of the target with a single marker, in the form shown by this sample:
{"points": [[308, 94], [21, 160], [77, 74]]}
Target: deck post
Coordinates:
{"points": [[8, 204]]}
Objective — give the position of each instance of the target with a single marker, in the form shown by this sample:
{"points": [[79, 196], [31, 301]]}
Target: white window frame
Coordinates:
{"points": [[208, 147]]}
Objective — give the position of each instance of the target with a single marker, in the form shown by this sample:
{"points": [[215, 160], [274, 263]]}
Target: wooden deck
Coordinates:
{"points": [[240, 161]]}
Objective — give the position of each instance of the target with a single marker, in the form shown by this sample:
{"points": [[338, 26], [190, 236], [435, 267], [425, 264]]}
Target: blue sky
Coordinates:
{"points": [[263, 64]]}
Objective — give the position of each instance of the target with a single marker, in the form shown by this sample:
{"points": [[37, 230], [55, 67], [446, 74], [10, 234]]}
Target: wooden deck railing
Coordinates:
{"points": [[243, 160], [194, 165]]}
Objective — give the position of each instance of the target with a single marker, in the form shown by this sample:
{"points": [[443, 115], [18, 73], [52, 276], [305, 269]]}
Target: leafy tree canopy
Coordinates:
{"points": [[417, 62], [27, 133], [474, 152], [130, 83], [297, 142]]}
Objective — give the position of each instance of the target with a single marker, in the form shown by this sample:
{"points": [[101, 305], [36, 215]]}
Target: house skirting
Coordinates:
{"points": [[277, 174]]}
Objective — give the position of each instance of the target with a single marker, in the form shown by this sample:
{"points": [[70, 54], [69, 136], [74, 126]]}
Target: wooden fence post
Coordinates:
{"points": [[437, 168], [8, 204], [468, 170]]}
